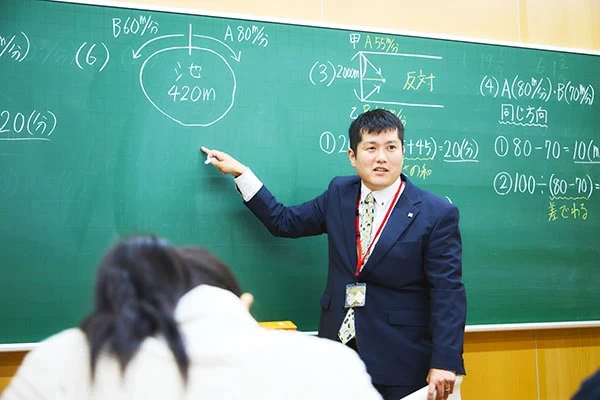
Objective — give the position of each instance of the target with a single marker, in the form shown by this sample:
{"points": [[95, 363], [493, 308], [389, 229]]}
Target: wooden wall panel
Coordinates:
{"points": [[301, 10], [564, 23], [565, 359], [473, 18], [9, 362], [500, 365], [546, 22]]}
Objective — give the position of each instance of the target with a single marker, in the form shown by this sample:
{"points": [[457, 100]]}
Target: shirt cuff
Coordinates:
{"points": [[248, 184]]}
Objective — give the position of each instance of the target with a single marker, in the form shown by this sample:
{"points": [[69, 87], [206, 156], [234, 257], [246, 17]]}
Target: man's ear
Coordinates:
{"points": [[352, 157], [247, 299]]}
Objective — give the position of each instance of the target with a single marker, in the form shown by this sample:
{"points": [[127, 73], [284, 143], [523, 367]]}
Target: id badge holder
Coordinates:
{"points": [[356, 295]]}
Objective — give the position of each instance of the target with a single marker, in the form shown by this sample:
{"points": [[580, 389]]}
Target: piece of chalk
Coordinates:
{"points": [[207, 161]]}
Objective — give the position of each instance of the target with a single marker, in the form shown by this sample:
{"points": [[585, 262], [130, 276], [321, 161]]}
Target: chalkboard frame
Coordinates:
{"points": [[191, 11]]}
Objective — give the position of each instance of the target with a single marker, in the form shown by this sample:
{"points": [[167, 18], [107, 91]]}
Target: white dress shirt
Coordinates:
{"points": [[383, 198]]}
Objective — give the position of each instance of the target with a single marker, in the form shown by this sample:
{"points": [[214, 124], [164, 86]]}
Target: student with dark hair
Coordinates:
{"points": [[168, 323], [394, 289]]}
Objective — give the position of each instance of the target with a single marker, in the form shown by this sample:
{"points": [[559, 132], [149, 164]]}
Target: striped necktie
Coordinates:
{"points": [[366, 215]]}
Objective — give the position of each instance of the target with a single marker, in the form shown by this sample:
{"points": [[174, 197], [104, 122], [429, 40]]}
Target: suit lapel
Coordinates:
{"points": [[403, 214], [348, 215]]}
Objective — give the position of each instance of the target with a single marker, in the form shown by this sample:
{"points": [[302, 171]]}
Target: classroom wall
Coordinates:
{"points": [[562, 23], [530, 364]]}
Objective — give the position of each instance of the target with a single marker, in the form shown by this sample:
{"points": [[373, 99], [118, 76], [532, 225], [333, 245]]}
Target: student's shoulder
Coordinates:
{"points": [[71, 341], [310, 346], [59, 359], [69, 337], [323, 360]]}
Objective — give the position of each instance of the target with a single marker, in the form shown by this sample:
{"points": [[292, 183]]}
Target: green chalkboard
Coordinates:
{"points": [[103, 111]]}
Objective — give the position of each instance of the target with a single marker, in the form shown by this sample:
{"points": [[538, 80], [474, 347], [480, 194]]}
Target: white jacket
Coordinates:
{"points": [[231, 357]]}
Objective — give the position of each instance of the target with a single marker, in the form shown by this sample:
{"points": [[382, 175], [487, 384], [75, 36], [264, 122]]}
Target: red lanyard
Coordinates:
{"points": [[362, 258]]}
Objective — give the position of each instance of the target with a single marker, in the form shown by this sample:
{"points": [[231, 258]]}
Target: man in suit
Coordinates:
{"points": [[397, 297]]}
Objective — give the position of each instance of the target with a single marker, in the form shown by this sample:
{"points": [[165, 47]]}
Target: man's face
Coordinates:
{"points": [[378, 159]]}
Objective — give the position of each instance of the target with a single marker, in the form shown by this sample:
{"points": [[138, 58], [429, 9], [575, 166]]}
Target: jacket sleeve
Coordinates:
{"points": [[306, 219], [443, 267]]}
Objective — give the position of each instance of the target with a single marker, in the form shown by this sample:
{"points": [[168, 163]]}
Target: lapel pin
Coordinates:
{"points": [[410, 215]]}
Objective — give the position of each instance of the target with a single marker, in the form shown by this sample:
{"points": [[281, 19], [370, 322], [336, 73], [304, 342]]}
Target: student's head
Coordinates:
{"points": [[209, 270], [139, 283], [206, 269], [377, 148]]}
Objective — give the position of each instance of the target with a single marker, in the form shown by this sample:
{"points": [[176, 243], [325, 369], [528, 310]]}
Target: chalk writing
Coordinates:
{"points": [[384, 43], [15, 47], [586, 152], [419, 149], [254, 34], [91, 57], [583, 151], [202, 76], [417, 171], [537, 88], [577, 188], [565, 211], [415, 80], [453, 151], [36, 125], [523, 115], [134, 26]]}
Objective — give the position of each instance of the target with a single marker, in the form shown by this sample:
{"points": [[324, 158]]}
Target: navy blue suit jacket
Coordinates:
{"points": [[415, 309]]}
